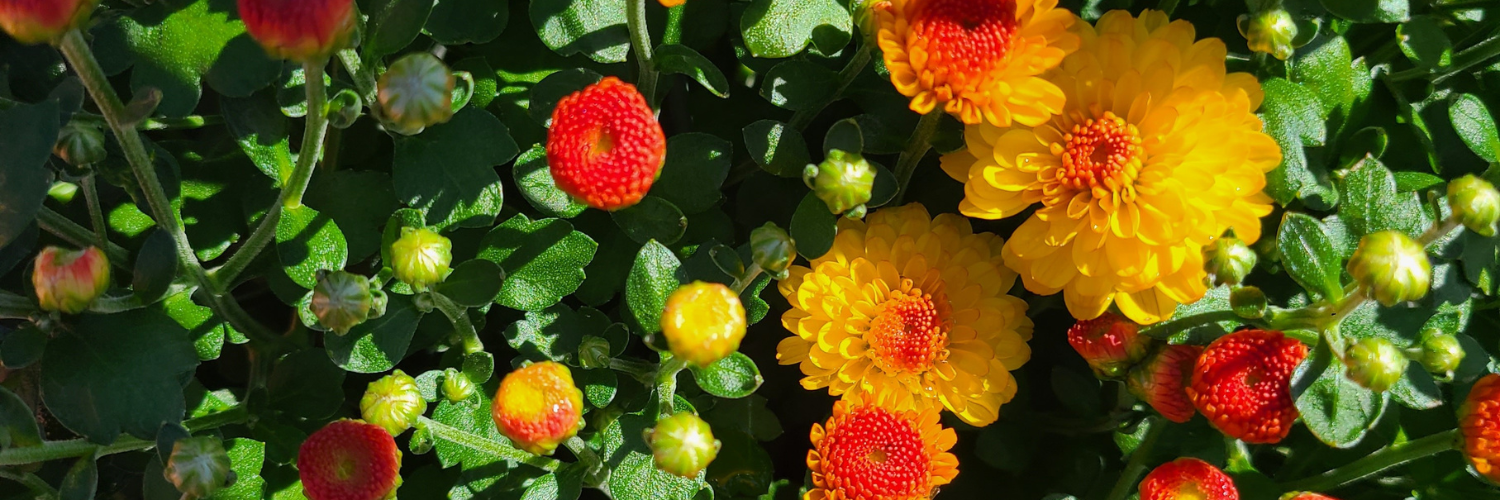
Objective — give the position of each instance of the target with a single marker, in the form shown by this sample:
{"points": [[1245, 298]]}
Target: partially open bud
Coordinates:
{"points": [[80, 144], [1161, 381], [456, 385], [420, 257], [864, 18], [772, 248], [682, 444], [538, 407], [342, 300], [416, 93], [1228, 260], [1248, 302], [1270, 32], [392, 402], [843, 181], [198, 466], [1375, 363], [1110, 343], [703, 322], [593, 352], [1441, 353], [43, 21], [68, 281], [672, 3], [1475, 203], [1392, 266], [300, 30]]}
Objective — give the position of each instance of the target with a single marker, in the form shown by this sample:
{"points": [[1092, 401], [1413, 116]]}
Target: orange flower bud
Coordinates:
{"points": [[39, 21], [538, 407], [68, 281], [300, 30]]}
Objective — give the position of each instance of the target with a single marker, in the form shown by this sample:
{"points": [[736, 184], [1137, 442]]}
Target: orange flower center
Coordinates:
{"points": [[964, 39], [1103, 153], [872, 453], [910, 333]]}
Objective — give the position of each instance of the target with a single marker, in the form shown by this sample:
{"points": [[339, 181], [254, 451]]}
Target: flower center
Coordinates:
{"points": [[874, 454], [1103, 153], [1189, 491], [603, 142], [910, 333], [965, 38]]}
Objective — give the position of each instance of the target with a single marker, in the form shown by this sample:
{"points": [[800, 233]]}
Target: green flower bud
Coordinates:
{"points": [[1475, 203], [392, 402], [1228, 260], [593, 352], [1270, 32], [1392, 267], [1248, 302], [198, 466], [1441, 354], [456, 385], [843, 181], [62, 191], [864, 17], [80, 143], [1375, 363], [682, 444], [68, 281], [772, 248], [341, 300], [415, 93], [420, 257]]}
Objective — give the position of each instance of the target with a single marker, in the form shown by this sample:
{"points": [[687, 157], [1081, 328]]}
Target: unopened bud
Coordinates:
{"points": [[1162, 380], [683, 444], [198, 466], [864, 18], [43, 21], [593, 352], [1441, 354], [843, 181], [456, 385], [538, 407], [416, 93], [672, 3], [80, 144], [1270, 32], [303, 31], [772, 248], [68, 281], [1392, 266], [1110, 344], [1248, 302], [392, 402], [420, 257], [341, 300], [1475, 203], [1228, 260], [1375, 363], [703, 322]]}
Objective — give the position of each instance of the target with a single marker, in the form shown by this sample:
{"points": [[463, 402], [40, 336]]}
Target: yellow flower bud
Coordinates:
{"points": [[843, 181], [420, 257], [1392, 267], [1270, 32], [703, 322], [1375, 363], [1475, 203], [393, 403]]}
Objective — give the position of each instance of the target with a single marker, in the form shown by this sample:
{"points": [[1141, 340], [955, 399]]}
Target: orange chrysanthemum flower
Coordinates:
{"points": [[1479, 421], [538, 406], [868, 452], [1242, 383], [1188, 479], [911, 311], [1157, 152], [605, 146], [978, 58]]}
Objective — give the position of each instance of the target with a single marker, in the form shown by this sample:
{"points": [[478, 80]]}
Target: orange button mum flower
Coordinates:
{"points": [[300, 30], [1242, 383], [38, 21], [538, 407], [868, 452], [1188, 479], [605, 146], [979, 59], [911, 311], [1157, 152], [349, 460], [1479, 421]]}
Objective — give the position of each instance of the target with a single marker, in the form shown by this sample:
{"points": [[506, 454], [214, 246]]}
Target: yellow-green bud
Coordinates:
{"points": [[1475, 203], [68, 281], [1392, 267], [683, 444], [843, 181], [392, 402], [80, 143], [1270, 32], [198, 466], [1228, 260], [1441, 354], [1248, 302], [1375, 363], [864, 18], [341, 300], [703, 322], [416, 93], [772, 248], [456, 385], [593, 352], [420, 257]]}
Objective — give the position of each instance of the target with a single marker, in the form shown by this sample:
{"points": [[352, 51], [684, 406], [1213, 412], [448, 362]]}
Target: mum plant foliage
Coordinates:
{"points": [[736, 249]]}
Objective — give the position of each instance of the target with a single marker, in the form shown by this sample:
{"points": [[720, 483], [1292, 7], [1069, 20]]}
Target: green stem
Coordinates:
{"points": [[581, 450], [804, 116], [916, 148], [129, 302], [474, 442], [1438, 231], [640, 370], [666, 383], [59, 225], [31, 482], [1462, 61], [13, 306], [364, 79], [1386, 458], [1137, 464], [640, 41], [460, 319], [312, 137], [1167, 329], [240, 259], [54, 450], [743, 282], [152, 124], [96, 214]]}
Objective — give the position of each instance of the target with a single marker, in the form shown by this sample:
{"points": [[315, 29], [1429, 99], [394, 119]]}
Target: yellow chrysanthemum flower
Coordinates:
{"points": [[1156, 154], [980, 59], [908, 312]]}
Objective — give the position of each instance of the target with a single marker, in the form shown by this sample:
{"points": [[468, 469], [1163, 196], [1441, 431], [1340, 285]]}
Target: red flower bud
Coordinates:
{"points": [[349, 460], [300, 30], [1188, 479], [1162, 380], [40, 21], [68, 281], [1242, 383], [1110, 343], [605, 146]]}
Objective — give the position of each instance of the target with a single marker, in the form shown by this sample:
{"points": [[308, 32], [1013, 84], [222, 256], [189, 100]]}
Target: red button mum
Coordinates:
{"points": [[300, 30], [349, 460], [38, 21], [605, 146], [1162, 381], [1479, 421], [1242, 383], [1188, 479], [869, 452]]}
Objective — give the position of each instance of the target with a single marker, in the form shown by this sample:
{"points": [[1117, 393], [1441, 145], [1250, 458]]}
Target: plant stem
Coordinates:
{"points": [[184, 123], [240, 259], [364, 79], [916, 148], [581, 450], [1386, 458], [743, 282], [1167, 329], [1438, 231], [1462, 61], [460, 319], [31, 482], [54, 450], [121, 303], [640, 370], [59, 225], [666, 383], [640, 41], [474, 442], [1137, 464], [804, 116], [96, 214]]}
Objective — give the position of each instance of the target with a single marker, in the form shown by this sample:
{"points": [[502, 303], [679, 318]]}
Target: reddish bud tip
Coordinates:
{"points": [[300, 30], [1110, 343], [68, 281], [43, 21]]}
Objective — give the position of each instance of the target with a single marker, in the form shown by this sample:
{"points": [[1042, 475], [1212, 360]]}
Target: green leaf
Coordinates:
{"points": [[748, 415], [534, 179], [1423, 41], [455, 22], [653, 218], [563, 485], [683, 60], [543, 260], [207, 331], [261, 130], [22, 346], [359, 201], [799, 85], [556, 86], [735, 376], [1294, 117], [17, 422], [595, 28], [1417, 389], [474, 283], [1476, 126], [782, 28], [378, 344], [1410, 182], [246, 457], [393, 24], [1336, 410], [1308, 255], [175, 47], [599, 385], [27, 133], [473, 416], [81, 481], [695, 168], [306, 384], [155, 267], [813, 227], [1370, 11], [1328, 72], [553, 334], [845, 135], [448, 171], [652, 278], [777, 147], [1372, 203], [307, 242], [118, 373]]}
